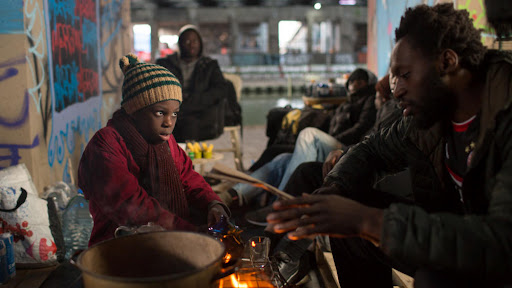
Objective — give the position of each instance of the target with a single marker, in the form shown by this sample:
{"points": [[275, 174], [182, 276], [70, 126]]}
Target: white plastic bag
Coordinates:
{"points": [[25, 215]]}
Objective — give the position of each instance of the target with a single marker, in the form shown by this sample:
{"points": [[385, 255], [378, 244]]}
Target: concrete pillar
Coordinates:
{"points": [[309, 35], [234, 31], [348, 36], [155, 40], [273, 35], [192, 16], [335, 47]]}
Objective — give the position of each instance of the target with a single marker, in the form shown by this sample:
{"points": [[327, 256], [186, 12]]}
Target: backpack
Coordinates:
{"points": [[233, 111], [274, 118], [296, 120]]}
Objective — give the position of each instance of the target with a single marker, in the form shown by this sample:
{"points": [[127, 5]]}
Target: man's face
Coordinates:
{"points": [[190, 44], [418, 86], [156, 122], [355, 85]]}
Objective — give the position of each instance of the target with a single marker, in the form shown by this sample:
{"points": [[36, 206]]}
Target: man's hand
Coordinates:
{"points": [[332, 215], [330, 161], [214, 214]]}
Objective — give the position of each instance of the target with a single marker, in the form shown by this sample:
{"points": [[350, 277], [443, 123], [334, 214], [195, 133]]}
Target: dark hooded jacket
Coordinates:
{"points": [[433, 233], [354, 118], [201, 114]]}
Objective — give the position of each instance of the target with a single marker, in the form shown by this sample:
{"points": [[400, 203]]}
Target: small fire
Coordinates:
{"points": [[227, 257], [253, 244], [237, 284]]}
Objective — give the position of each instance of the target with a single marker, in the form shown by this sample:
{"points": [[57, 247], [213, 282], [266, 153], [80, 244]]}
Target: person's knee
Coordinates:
{"points": [[307, 134], [283, 158]]}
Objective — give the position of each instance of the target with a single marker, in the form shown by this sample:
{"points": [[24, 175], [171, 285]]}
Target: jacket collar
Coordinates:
{"points": [[497, 98]]}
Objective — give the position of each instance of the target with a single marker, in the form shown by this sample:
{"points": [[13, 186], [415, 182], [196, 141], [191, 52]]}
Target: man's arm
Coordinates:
{"points": [[384, 151]]}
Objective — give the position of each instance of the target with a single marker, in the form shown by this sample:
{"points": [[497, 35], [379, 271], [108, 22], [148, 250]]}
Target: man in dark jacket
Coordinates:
{"points": [[204, 88], [456, 138]]}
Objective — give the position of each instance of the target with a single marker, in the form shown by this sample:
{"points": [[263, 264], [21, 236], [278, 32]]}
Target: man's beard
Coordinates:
{"points": [[437, 102]]}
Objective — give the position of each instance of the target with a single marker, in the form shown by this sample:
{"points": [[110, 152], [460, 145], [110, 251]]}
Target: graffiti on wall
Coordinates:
{"points": [[114, 44], [74, 67], [9, 152], [13, 156], [11, 16], [476, 9], [36, 56]]}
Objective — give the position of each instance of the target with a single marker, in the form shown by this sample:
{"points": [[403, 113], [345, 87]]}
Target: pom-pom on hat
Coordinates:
{"points": [[146, 84]]}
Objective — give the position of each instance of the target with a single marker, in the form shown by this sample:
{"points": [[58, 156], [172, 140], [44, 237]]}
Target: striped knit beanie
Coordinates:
{"points": [[146, 84]]}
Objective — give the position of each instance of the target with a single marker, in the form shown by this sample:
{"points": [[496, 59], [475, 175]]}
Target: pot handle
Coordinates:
{"points": [[227, 269]]}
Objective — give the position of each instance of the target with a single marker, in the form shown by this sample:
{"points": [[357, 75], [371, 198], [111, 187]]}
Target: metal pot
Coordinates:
{"points": [[157, 259]]}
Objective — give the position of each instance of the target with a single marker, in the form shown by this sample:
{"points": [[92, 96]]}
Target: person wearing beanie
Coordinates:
{"points": [[204, 88], [133, 171]]}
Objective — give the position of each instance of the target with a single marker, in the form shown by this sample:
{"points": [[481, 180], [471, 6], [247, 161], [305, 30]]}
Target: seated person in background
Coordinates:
{"points": [[455, 137], [133, 171], [309, 176], [349, 124], [204, 88], [278, 171]]}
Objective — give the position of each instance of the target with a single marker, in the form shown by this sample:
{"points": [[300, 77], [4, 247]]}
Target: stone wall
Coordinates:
{"points": [[59, 80]]}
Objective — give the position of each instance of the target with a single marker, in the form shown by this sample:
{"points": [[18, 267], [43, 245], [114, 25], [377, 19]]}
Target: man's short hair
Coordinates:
{"points": [[434, 29]]}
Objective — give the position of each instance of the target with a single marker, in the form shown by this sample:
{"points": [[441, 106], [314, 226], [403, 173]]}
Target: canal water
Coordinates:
{"points": [[255, 108]]}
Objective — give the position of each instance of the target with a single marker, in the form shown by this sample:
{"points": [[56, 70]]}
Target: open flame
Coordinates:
{"points": [[237, 284], [227, 257], [253, 244]]}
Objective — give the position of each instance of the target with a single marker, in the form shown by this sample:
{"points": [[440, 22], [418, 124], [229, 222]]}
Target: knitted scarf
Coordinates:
{"points": [[158, 173]]}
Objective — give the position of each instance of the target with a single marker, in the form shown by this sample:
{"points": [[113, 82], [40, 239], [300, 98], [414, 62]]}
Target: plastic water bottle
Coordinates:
{"points": [[76, 225]]}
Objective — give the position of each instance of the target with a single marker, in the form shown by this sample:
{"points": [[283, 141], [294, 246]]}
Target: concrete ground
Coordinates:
{"points": [[254, 142]]}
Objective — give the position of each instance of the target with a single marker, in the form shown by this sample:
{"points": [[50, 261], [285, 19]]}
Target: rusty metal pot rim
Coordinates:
{"points": [[149, 279]]}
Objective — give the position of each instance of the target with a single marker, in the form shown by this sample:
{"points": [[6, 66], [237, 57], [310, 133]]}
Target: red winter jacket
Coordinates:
{"points": [[108, 175]]}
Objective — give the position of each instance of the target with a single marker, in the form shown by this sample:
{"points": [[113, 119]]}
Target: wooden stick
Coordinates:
{"points": [[223, 172]]}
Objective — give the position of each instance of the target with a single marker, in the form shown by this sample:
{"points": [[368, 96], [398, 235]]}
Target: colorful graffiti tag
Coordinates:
{"points": [[476, 9], [36, 60], [114, 43], [75, 71], [10, 152]]}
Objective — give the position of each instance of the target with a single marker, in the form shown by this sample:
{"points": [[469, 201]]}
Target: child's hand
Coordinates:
{"points": [[214, 214]]}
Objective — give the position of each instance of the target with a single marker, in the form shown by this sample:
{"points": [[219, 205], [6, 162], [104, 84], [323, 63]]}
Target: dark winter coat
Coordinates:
{"points": [[201, 114], [431, 234], [354, 118]]}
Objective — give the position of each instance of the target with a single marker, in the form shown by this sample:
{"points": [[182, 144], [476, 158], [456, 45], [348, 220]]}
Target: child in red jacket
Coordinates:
{"points": [[133, 171]]}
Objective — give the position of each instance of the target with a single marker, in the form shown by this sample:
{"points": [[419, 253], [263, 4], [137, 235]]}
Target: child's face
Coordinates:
{"points": [[156, 122]]}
